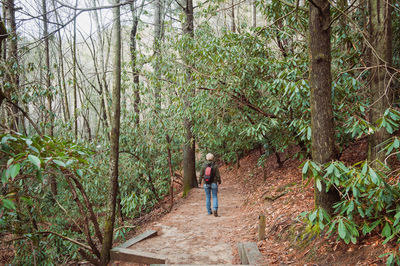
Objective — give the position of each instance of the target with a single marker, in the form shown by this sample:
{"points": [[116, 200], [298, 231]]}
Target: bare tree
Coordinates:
{"points": [[47, 65], [233, 25], [136, 12], [61, 70], [12, 75], [115, 129], [254, 9], [101, 69], [158, 24], [74, 78]]}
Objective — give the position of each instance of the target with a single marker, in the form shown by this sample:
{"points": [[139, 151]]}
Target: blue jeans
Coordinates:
{"points": [[211, 188]]}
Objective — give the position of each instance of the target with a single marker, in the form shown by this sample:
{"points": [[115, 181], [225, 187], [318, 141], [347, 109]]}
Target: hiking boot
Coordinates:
{"points": [[215, 213]]}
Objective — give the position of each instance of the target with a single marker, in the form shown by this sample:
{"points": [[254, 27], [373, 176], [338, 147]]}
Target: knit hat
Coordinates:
{"points": [[209, 157]]}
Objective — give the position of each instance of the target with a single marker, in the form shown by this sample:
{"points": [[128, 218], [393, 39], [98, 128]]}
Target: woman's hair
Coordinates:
{"points": [[209, 157]]}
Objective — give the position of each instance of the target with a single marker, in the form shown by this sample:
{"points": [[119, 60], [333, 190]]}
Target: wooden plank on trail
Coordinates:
{"points": [[249, 254], [138, 238], [130, 255]]}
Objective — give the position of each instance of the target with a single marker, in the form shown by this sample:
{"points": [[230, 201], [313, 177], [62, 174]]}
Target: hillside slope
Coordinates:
{"points": [[187, 235]]}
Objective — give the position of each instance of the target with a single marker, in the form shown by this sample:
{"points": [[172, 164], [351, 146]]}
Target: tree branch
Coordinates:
{"points": [[88, 257], [315, 5], [65, 238], [93, 247], [66, 213], [241, 99], [295, 6], [3, 97], [128, 2], [89, 206], [179, 4], [205, 2], [134, 155], [341, 14]]}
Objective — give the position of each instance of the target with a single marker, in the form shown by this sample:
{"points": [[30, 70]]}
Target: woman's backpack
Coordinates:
{"points": [[208, 174]]}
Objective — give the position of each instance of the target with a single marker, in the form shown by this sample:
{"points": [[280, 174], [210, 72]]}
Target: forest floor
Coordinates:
{"points": [[187, 235]]}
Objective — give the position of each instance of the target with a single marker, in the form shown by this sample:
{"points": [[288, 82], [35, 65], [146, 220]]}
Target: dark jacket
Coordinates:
{"points": [[217, 176]]}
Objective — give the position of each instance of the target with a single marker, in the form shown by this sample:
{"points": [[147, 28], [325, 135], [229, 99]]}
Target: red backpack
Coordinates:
{"points": [[208, 174]]}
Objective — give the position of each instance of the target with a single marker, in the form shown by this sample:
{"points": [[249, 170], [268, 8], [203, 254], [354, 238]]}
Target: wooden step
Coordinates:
{"points": [[130, 255], [138, 238], [249, 254]]}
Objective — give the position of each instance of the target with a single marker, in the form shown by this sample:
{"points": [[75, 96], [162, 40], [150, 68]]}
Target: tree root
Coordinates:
{"points": [[270, 198]]}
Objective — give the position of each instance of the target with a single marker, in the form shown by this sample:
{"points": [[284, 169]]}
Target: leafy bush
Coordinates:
{"points": [[369, 201]]}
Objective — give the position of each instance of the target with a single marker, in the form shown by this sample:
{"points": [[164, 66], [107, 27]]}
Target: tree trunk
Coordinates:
{"points": [[189, 160], [321, 104], [12, 59], [47, 76], [381, 59], [75, 79], [4, 51], [171, 172], [86, 119], [114, 138], [158, 17], [233, 16], [61, 71], [189, 156], [3, 36], [135, 71], [53, 181], [102, 80], [254, 13]]}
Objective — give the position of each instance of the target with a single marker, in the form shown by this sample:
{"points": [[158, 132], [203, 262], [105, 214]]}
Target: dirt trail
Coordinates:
{"points": [[188, 235]]}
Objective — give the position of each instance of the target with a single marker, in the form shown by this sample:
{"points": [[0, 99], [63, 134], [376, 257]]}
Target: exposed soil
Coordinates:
{"points": [[188, 235]]}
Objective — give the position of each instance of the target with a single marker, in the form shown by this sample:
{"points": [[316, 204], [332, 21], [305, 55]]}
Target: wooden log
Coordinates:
{"points": [[249, 254], [242, 254], [261, 227], [253, 254], [130, 255], [138, 238], [276, 197]]}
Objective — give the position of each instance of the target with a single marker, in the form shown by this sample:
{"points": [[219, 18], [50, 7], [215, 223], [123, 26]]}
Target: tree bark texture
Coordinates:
{"points": [[158, 18], [61, 71], [189, 156], [233, 16], [323, 149], [171, 172], [254, 13], [47, 76], [75, 79], [12, 76], [381, 59], [53, 181], [101, 77], [3, 35], [135, 71], [114, 138], [4, 51]]}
